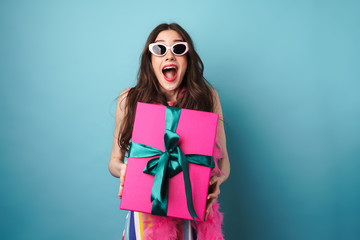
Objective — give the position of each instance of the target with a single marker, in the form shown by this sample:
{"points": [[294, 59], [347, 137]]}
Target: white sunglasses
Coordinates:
{"points": [[160, 49]]}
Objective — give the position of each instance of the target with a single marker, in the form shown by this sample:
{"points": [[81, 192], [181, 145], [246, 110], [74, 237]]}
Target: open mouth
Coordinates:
{"points": [[169, 72]]}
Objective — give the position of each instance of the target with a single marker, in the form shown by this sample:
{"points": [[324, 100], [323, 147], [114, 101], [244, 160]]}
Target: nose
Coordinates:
{"points": [[169, 55]]}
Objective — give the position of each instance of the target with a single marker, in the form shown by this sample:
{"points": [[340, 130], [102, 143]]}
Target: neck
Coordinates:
{"points": [[171, 95]]}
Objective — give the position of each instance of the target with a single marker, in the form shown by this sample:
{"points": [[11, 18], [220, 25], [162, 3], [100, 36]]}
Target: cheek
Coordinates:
{"points": [[154, 64], [185, 61], [184, 65]]}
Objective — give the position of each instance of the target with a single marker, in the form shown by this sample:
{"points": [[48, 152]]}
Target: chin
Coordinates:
{"points": [[171, 87]]}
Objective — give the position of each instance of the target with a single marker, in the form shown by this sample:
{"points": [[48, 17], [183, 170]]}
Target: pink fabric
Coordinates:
{"points": [[163, 228], [211, 228]]}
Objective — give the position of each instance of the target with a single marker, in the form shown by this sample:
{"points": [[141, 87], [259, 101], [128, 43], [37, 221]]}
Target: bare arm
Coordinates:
{"points": [[117, 167], [224, 163]]}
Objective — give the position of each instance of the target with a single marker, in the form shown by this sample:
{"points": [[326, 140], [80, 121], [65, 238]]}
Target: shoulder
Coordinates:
{"points": [[214, 93], [122, 98], [124, 94]]}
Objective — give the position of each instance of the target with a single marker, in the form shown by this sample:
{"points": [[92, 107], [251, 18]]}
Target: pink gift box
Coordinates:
{"points": [[197, 131]]}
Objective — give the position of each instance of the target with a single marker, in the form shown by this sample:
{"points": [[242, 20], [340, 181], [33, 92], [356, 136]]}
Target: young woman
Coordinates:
{"points": [[171, 73]]}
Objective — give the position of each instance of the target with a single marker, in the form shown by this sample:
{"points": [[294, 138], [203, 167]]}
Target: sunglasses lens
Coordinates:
{"points": [[159, 49], [179, 49]]}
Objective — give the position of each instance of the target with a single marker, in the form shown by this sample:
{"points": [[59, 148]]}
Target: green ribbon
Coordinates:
{"points": [[169, 163]]}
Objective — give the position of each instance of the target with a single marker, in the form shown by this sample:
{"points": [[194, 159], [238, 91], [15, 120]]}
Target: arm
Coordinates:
{"points": [[117, 167], [224, 163]]}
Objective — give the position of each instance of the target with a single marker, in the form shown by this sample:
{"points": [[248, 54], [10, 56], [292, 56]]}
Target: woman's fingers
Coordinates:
{"points": [[213, 180], [216, 179], [122, 178], [214, 187], [214, 194], [120, 191], [214, 191], [208, 206]]}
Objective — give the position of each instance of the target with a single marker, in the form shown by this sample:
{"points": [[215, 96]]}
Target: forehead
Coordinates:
{"points": [[168, 36]]}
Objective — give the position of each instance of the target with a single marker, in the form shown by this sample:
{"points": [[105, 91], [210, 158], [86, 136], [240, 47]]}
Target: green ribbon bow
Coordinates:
{"points": [[169, 163]]}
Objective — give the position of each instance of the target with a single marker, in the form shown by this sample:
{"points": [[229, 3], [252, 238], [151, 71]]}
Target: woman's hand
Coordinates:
{"points": [[122, 178], [214, 191]]}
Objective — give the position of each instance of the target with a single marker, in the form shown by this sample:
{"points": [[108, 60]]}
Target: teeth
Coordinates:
{"points": [[166, 68]]}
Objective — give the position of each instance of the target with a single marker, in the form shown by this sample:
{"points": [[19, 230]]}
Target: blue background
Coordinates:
{"points": [[288, 75]]}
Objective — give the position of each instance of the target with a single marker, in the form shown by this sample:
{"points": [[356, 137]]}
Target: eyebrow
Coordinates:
{"points": [[176, 40]]}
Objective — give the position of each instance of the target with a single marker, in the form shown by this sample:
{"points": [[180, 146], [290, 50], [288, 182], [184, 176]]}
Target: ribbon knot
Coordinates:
{"points": [[169, 163]]}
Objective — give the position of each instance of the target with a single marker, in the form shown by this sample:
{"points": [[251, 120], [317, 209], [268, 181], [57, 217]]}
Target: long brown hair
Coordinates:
{"points": [[197, 94]]}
